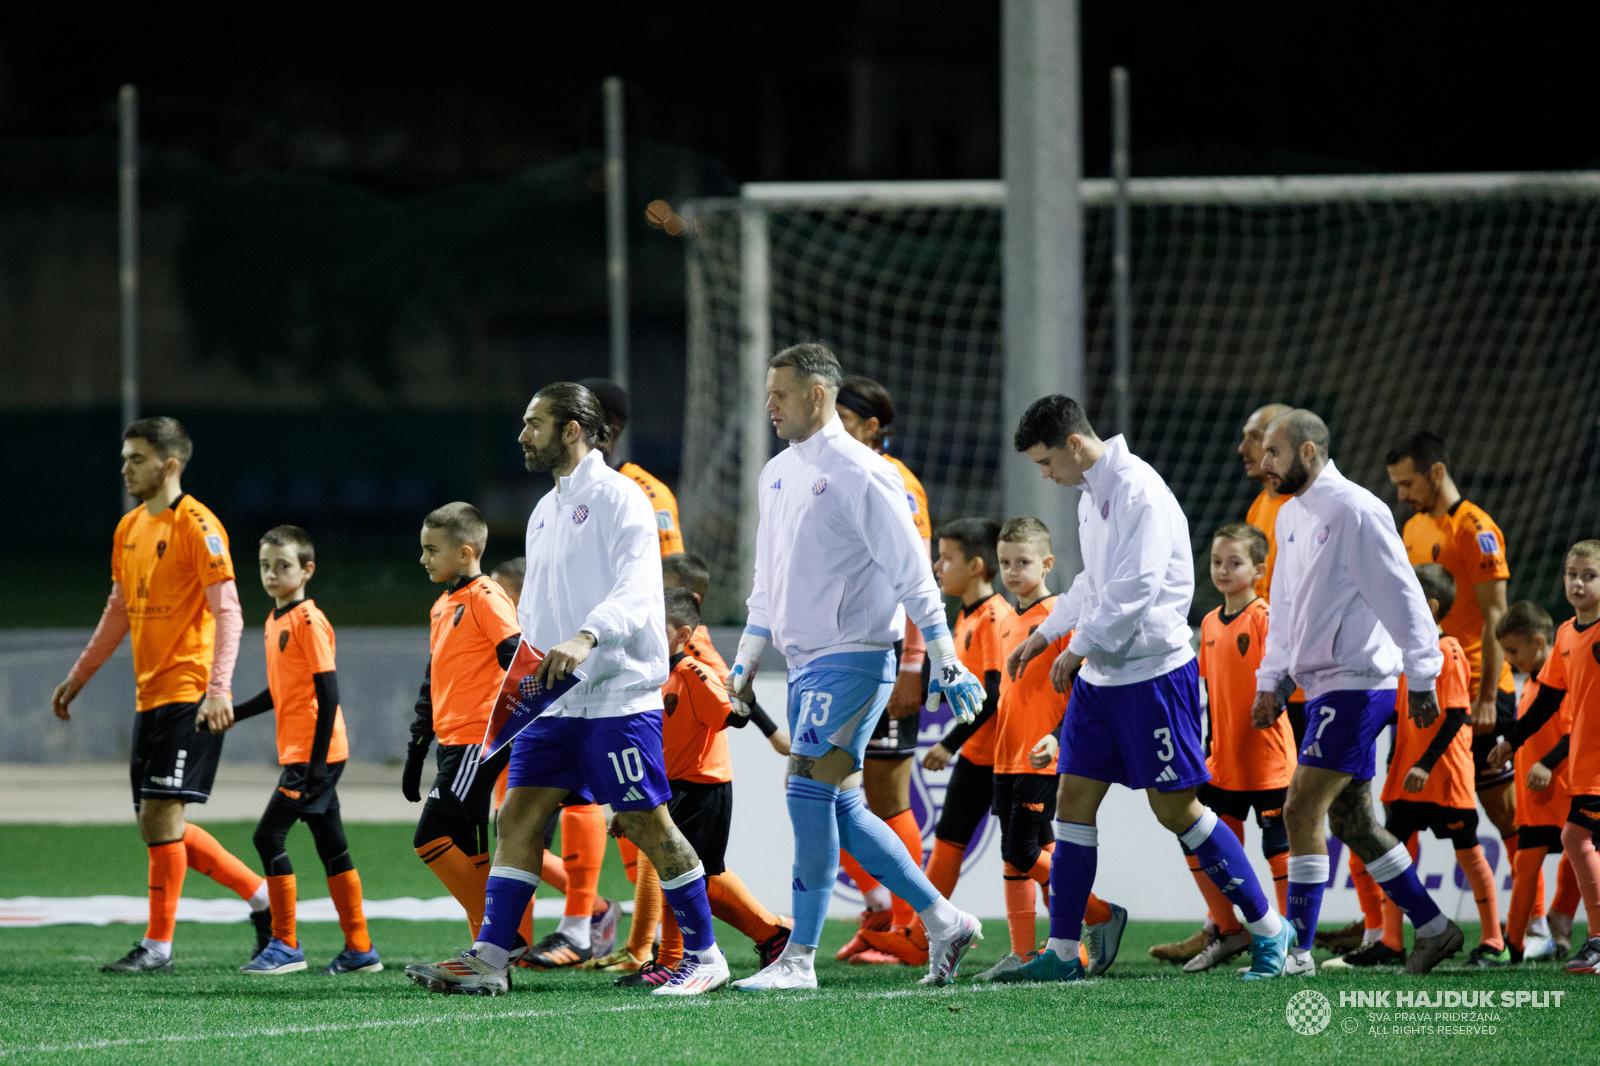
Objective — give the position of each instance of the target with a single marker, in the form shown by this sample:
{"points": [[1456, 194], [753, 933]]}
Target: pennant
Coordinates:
{"points": [[522, 698]]}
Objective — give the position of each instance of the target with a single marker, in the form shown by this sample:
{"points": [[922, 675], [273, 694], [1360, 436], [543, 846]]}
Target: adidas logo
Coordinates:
{"points": [[1166, 775], [808, 737], [633, 796], [798, 886], [433, 794], [1232, 885], [1314, 749], [778, 484], [685, 929]]}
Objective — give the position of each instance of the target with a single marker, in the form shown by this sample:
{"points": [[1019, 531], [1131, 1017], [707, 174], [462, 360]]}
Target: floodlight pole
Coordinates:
{"points": [[1120, 263], [617, 239], [128, 218]]}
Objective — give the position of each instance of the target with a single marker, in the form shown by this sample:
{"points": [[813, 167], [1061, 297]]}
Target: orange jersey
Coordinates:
{"points": [[700, 647], [1242, 758], [466, 628], [165, 563], [1450, 783], [694, 723], [1574, 665], [916, 497], [1549, 805], [299, 642], [1030, 708], [977, 637], [1466, 542], [663, 503], [1263, 514]]}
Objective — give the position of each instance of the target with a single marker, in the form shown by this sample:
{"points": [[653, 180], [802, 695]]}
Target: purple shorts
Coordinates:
{"points": [[1143, 735], [604, 760], [1342, 730]]}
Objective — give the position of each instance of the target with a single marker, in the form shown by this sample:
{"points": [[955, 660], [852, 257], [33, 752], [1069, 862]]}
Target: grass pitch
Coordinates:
{"points": [[55, 1007]]}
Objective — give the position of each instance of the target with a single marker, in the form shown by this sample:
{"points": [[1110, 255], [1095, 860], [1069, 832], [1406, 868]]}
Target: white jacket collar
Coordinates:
{"points": [[1102, 474], [1325, 479], [813, 444], [581, 474]]}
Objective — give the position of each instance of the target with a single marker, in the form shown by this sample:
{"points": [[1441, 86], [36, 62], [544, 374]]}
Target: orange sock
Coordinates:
{"points": [[466, 877], [583, 849], [733, 903], [1020, 919], [1567, 897], [648, 905], [345, 889], [905, 827], [553, 872], [671, 952], [167, 867], [864, 881], [1279, 865], [944, 866], [1526, 886], [630, 859], [1236, 824], [1368, 893], [1475, 865], [1394, 933], [1578, 844], [205, 856], [1218, 906], [282, 890], [1097, 911]]}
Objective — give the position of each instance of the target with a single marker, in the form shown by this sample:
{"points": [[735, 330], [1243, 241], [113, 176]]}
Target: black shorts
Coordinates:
{"points": [[1025, 805], [463, 779], [1458, 826], [703, 813], [1505, 716], [967, 797], [896, 738], [1539, 836], [1268, 803], [1296, 710], [171, 759], [293, 793], [1585, 812]]}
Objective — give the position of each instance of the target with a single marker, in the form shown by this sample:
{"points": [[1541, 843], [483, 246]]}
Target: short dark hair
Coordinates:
{"points": [[1303, 425], [1523, 619], [690, 570], [292, 537], [979, 539], [1024, 529], [1050, 420], [462, 523], [513, 570], [1437, 584], [1423, 448], [571, 402], [1248, 535], [166, 435], [868, 399], [682, 608], [810, 360], [613, 400]]}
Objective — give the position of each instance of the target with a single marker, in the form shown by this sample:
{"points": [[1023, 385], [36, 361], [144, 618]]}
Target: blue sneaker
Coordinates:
{"points": [[1102, 941], [352, 961], [1045, 966], [1268, 954], [276, 957]]}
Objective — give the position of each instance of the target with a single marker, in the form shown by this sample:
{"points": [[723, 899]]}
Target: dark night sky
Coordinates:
{"points": [[423, 95]]}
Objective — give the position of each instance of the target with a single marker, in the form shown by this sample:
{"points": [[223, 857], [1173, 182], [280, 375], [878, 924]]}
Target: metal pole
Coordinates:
{"points": [[1120, 264], [755, 346], [1041, 162], [128, 212], [617, 239]]}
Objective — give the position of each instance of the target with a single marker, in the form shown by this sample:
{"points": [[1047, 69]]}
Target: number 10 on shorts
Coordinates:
{"points": [[629, 763]]}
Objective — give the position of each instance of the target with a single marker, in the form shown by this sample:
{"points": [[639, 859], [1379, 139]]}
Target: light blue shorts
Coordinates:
{"points": [[836, 701]]}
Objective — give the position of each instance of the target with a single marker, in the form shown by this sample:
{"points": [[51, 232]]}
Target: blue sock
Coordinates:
{"points": [[686, 895], [880, 852], [816, 855], [1397, 876], [1222, 858], [505, 901], [1072, 871], [1308, 876]]}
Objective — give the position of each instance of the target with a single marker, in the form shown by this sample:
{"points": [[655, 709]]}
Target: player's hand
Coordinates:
{"points": [[1539, 776], [1500, 754], [1025, 653], [1416, 778], [958, 687], [905, 699], [1264, 711], [780, 742], [564, 658], [1483, 716], [1064, 670], [1044, 753], [316, 777], [216, 713], [63, 696], [1423, 709], [938, 757], [411, 777]]}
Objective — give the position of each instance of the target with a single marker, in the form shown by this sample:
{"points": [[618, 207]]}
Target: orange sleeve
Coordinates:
{"points": [[989, 633], [316, 640], [1454, 681], [116, 551], [1554, 673], [494, 615], [208, 552], [1482, 550], [708, 698]]}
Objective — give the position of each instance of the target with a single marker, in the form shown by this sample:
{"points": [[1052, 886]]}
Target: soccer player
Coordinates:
{"points": [[1572, 673], [866, 411], [1263, 513], [837, 552], [1249, 767], [173, 592], [593, 603], [1342, 573], [1134, 716], [614, 402], [303, 692]]}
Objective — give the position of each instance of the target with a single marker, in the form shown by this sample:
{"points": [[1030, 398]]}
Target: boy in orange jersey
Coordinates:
{"points": [[1573, 671], [696, 711], [303, 691], [1429, 786], [1543, 794], [1026, 739], [173, 595], [1250, 768]]}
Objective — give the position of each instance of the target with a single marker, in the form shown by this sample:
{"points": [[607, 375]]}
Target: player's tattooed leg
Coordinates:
{"points": [[1350, 818]]}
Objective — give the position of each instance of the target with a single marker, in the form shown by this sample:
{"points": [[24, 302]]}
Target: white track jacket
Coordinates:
{"points": [[1347, 609], [837, 552], [1130, 603], [594, 562]]}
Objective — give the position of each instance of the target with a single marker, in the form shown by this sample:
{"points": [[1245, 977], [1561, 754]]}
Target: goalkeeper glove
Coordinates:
{"points": [[954, 682], [745, 661]]}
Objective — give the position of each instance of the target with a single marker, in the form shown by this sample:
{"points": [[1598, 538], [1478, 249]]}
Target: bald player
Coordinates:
{"points": [[1263, 513]]}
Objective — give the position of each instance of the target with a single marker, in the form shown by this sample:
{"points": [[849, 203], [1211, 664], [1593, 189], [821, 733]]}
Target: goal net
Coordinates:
{"points": [[1468, 304]]}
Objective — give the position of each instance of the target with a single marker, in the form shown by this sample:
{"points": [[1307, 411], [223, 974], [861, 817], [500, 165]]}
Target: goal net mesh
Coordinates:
{"points": [[1472, 313]]}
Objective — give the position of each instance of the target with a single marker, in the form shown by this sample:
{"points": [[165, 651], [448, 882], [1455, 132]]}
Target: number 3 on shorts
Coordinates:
{"points": [[1166, 751], [631, 762]]}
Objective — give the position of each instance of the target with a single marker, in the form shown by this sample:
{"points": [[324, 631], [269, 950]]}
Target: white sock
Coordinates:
{"points": [[1066, 950], [1538, 926], [260, 901], [492, 954], [1300, 952], [1269, 924], [162, 949], [575, 927], [941, 916], [1433, 927], [1371, 936], [799, 953], [710, 956], [879, 899]]}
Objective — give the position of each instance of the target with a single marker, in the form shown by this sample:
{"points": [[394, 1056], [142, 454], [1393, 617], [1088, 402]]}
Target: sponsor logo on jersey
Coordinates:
{"points": [[214, 543], [663, 520], [820, 487], [580, 514], [1488, 543]]}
